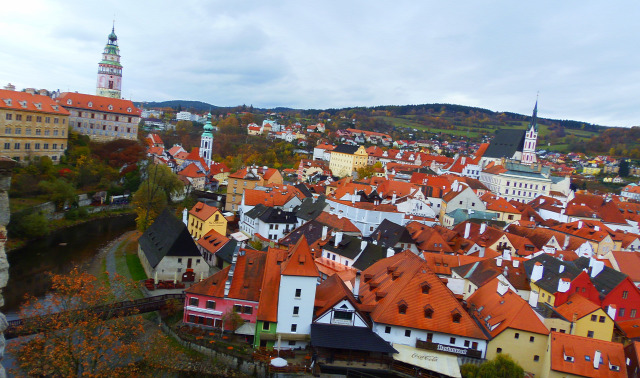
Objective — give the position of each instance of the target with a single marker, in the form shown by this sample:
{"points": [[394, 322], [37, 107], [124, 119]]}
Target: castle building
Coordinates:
{"points": [[101, 118], [206, 141], [110, 70]]}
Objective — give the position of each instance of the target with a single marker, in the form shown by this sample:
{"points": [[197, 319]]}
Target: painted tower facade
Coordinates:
{"points": [[531, 139], [110, 69], [206, 141]]}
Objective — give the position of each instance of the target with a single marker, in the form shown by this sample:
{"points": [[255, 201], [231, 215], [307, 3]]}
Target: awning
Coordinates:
{"points": [[430, 360], [348, 337], [247, 329]]}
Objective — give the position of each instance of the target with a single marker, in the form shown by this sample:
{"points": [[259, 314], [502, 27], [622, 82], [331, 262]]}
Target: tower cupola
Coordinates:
{"points": [[109, 69]]}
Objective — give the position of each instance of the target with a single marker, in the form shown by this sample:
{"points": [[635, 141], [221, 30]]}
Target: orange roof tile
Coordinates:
{"points": [[213, 241], [192, 171], [576, 305], [577, 347], [268, 304], [23, 101], [337, 223], [203, 211], [628, 263], [404, 281], [330, 292], [98, 103], [300, 262], [497, 312]]}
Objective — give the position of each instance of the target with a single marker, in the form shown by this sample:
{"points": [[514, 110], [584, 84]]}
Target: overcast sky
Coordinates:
{"points": [[582, 56]]}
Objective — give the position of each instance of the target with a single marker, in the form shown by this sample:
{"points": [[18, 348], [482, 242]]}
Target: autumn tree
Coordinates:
{"points": [[73, 339], [231, 320], [60, 191], [154, 194], [502, 366]]}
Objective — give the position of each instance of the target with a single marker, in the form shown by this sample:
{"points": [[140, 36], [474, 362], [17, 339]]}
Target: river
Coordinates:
{"points": [[58, 253]]}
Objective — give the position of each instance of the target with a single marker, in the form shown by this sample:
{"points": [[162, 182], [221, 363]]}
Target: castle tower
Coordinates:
{"points": [[530, 139], [206, 141], [110, 69]]}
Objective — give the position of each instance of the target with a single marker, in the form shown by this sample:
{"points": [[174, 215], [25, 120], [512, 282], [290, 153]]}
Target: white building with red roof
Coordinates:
{"points": [[101, 118]]}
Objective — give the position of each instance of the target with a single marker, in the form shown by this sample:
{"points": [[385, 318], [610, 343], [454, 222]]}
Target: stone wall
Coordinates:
{"points": [[6, 166]]}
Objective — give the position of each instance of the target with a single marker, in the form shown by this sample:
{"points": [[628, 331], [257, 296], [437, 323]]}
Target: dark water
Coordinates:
{"points": [[28, 266]]}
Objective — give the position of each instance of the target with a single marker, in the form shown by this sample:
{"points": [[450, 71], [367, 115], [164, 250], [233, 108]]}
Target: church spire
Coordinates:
{"points": [[534, 117], [531, 139]]}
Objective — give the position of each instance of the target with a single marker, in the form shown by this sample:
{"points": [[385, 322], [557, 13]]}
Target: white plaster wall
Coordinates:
{"points": [[287, 301]]}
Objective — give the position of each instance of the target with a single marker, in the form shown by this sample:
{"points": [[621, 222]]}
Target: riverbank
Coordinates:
{"points": [[63, 223]]}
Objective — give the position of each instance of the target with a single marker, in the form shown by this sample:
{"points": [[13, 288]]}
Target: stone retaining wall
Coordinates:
{"points": [[248, 367]]}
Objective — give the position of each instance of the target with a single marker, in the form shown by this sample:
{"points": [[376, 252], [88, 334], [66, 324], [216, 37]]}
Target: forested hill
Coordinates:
{"points": [[177, 105]]}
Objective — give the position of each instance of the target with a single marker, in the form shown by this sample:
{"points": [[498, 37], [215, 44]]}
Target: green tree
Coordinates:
{"points": [[28, 225], [502, 366], [60, 191], [154, 194]]}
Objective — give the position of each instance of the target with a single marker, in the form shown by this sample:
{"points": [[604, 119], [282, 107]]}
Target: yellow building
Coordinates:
{"points": [[513, 326], [588, 319], [248, 178], [591, 171], [346, 158], [31, 125], [204, 218]]}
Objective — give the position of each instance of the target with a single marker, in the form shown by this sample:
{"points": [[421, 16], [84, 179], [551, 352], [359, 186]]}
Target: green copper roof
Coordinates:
{"points": [[208, 127], [111, 63]]}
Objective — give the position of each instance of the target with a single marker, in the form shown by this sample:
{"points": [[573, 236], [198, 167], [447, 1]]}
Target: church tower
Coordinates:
{"points": [[530, 139], [110, 69], [206, 141]]}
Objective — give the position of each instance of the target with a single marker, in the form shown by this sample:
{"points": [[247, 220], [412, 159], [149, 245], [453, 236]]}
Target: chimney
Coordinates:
{"points": [[611, 311], [338, 238], [533, 299], [499, 261], [537, 271], [390, 252], [579, 225], [353, 197], [363, 245], [506, 254], [467, 230], [515, 263], [563, 285], [502, 288], [596, 359], [483, 228], [566, 242], [393, 198], [356, 285], [185, 217], [597, 228], [596, 267], [561, 268], [234, 258], [325, 230]]}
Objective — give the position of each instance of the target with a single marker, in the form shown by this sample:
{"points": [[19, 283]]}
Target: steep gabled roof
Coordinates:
{"points": [[505, 144], [496, 312], [388, 234], [606, 280], [203, 211], [213, 241], [576, 305], [300, 261], [405, 282], [311, 207], [330, 292], [551, 274], [268, 304], [167, 236]]}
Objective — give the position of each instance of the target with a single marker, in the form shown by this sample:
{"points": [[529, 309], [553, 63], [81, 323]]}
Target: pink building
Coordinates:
{"points": [[234, 288]]}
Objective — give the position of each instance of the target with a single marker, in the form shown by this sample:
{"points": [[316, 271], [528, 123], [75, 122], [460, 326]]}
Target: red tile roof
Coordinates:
{"points": [[497, 312], [213, 241], [268, 304], [331, 292], [337, 223], [192, 171], [404, 281], [23, 101], [98, 103], [203, 211], [577, 347], [576, 305], [628, 263], [300, 261]]}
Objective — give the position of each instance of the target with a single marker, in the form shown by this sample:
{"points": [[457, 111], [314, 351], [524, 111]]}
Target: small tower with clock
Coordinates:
{"points": [[110, 69]]}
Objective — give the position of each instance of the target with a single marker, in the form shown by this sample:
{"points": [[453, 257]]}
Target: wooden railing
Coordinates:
{"points": [[26, 326]]}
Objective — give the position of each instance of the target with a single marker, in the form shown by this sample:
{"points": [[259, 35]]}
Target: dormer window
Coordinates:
{"points": [[110, 107], [7, 101], [23, 103], [38, 105], [428, 311], [90, 104], [456, 316], [425, 287], [402, 307], [129, 110], [69, 102], [367, 277]]}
